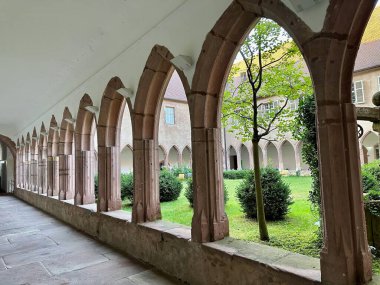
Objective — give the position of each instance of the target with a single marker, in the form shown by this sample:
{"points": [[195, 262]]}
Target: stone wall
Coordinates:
{"points": [[168, 247]]}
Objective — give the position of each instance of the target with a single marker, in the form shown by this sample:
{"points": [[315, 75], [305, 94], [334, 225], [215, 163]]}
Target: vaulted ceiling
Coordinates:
{"points": [[52, 52]]}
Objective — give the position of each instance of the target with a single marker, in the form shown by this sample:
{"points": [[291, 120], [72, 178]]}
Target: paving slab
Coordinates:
{"points": [[38, 249]]}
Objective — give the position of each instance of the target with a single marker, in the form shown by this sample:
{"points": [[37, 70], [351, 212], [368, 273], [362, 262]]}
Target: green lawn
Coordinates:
{"points": [[297, 233]]}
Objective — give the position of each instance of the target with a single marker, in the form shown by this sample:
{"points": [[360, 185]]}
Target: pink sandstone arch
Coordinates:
{"points": [[66, 157], [147, 106], [85, 129], [34, 161], [53, 159], [109, 127], [330, 56], [42, 160]]}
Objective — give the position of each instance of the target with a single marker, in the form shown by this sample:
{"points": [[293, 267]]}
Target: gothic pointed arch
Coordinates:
{"points": [[34, 161], [85, 129], [109, 128], [53, 158], [146, 111], [42, 160], [66, 156]]}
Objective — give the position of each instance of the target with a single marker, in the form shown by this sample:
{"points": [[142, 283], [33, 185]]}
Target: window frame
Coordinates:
{"points": [[354, 92], [166, 115]]}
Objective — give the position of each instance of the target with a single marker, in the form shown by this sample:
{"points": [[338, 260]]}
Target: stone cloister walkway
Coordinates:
{"points": [[38, 249]]}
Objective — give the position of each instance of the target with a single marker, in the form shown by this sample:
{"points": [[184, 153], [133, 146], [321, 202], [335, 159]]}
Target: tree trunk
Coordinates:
{"points": [[259, 194]]}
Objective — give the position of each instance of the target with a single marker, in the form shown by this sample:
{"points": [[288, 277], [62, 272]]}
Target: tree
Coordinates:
{"points": [[259, 105]]}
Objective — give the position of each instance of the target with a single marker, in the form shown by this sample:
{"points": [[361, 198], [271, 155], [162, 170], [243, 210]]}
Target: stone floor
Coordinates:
{"points": [[38, 249]]}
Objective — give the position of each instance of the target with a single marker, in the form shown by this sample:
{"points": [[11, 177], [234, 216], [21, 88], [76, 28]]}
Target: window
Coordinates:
{"points": [[357, 92], [169, 115], [267, 107]]}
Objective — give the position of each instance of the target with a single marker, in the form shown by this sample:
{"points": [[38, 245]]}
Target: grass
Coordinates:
{"points": [[297, 233]]}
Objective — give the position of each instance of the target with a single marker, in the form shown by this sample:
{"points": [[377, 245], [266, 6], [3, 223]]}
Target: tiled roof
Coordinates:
{"points": [[368, 56], [372, 31], [175, 90]]}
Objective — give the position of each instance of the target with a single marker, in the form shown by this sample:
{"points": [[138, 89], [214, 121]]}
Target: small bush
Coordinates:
{"points": [[369, 181], [276, 195], [189, 192], [236, 174], [170, 186], [178, 170], [126, 181], [372, 168], [96, 186]]}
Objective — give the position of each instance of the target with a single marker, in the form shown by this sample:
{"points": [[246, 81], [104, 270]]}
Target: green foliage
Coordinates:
{"points": [[236, 174], [170, 186], [189, 192], [274, 74], [178, 170], [126, 186], [372, 168], [276, 195], [96, 186], [305, 130], [369, 181]]}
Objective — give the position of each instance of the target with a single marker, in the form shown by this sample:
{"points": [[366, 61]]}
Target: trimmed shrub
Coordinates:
{"points": [[369, 181], [276, 195], [236, 174], [170, 186], [178, 170], [96, 186], [372, 168], [126, 181], [189, 192]]}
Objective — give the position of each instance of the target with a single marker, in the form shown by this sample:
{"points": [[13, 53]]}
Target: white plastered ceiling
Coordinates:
{"points": [[52, 52]]}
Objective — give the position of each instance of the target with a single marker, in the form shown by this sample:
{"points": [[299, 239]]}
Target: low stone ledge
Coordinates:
{"points": [[168, 247]]}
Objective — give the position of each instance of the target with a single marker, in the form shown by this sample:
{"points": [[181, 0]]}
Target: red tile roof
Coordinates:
{"points": [[368, 56]]}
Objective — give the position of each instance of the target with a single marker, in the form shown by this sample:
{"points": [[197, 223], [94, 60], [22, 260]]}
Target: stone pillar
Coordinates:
{"points": [[109, 178], [146, 171], [27, 169], [209, 221], [50, 174], [66, 192], [250, 153], [34, 173], [265, 157], [238, 154], [55, 175], [345, 257], [84, 178], [298, 158], [42, 181], [280, 159]]}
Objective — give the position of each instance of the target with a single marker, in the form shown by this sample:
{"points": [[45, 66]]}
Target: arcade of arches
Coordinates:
{"points": [[55, 167]]}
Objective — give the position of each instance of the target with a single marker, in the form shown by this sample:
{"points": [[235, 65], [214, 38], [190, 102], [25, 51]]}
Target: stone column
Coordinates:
{"points": [[84, 178], [345, 255], [265, 157], [109, 178], [146, 171], [34, 174], [298, 158], [27, 169], [280, 159], [209, 221], [66, 192], [250, 154], [55, 175], [238, 154], [42, 181], [50, 174]]}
